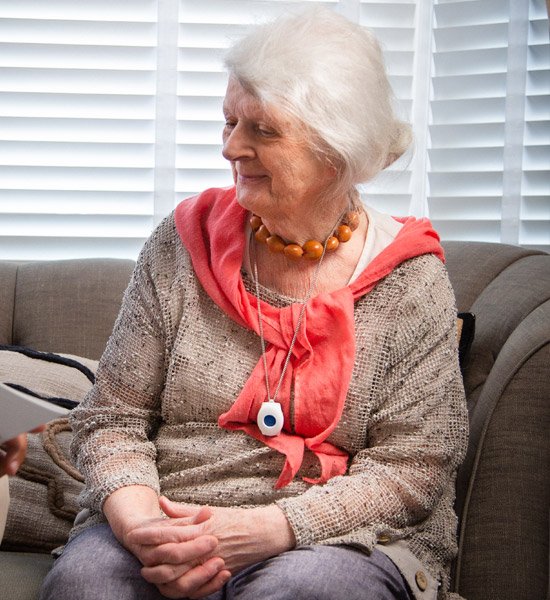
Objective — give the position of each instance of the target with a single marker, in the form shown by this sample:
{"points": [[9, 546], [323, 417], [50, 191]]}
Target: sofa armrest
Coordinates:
{"points": [[503, 487]]}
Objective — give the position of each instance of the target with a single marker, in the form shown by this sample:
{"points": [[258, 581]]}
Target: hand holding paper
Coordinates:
{"points": [[20, 412]]}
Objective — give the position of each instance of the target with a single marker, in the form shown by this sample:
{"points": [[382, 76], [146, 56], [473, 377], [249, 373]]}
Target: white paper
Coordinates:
{"points": [[20, 412]]}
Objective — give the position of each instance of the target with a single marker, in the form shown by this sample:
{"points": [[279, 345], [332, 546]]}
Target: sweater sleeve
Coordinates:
{"points": [[113, 426], [416, 434]]}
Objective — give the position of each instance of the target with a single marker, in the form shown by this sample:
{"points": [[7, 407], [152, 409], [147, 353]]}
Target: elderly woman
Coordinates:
{"points": [[279, 412]]}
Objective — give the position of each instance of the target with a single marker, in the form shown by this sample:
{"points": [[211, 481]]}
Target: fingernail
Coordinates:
{"points": [[226, 578], [212, 543]]}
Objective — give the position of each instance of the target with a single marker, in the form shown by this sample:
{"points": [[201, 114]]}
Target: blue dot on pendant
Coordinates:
{"points": [[269, 420]]}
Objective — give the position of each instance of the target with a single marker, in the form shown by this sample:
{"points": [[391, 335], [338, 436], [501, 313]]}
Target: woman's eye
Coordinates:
{"points": [[265, 132], [229, 124]]}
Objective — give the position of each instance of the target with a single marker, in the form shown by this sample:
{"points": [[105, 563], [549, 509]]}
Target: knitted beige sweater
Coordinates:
{"points": [[175, 362]]}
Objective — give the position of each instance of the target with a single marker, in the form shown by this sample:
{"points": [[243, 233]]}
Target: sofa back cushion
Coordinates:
{"points": [[8, 277], [62, 306]]}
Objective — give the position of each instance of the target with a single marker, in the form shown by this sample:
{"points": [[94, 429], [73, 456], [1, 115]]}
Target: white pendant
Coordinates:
{"points": [[270, 418]]}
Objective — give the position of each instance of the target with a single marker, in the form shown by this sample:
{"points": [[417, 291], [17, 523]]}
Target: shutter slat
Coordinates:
{"points": [[467, 135], [462, 160], [76, 56], [470, 12], [78, 179], [462, 87], [76, 226], [482, 110], [471, 62], [57, 248], [471, 37], [67, 154], [199, 132], [79, 106], [114, 131], [70, 202], [78, 10], [76, 81], [48, 31]]}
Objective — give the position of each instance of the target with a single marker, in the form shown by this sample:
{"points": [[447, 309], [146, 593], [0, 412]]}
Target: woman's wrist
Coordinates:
{"points": [[129, 506], [275, 527]]}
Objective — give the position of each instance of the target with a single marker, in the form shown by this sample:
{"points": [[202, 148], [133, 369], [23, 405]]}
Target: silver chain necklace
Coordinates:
{"points": [[270, 418]]}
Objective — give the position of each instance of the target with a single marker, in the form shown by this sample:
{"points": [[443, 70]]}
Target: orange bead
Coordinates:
{"points": [[313, 249], [343, 233], [352, 219], [332, 243], [293, 251], [255, 222], [275, 243], [262, 234]]}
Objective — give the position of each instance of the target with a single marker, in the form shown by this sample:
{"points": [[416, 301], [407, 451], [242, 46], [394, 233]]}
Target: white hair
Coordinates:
{"points": [[329, 74]]}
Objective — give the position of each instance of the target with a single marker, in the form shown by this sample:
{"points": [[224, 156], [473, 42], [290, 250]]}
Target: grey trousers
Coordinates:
{"points": [[94, 566]]}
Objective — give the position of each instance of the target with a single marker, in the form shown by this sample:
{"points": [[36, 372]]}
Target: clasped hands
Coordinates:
{"points": [[195, 550]]}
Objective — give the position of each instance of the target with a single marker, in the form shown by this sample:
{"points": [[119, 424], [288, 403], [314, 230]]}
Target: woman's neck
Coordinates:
{"points": [[293, 278]]}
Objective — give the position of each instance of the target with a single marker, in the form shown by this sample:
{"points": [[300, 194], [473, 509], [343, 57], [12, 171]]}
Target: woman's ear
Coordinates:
{"points": [[334, 165], [332, 168]]}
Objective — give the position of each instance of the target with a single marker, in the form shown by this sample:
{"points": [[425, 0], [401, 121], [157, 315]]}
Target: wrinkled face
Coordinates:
{"points": [[276, 172]]}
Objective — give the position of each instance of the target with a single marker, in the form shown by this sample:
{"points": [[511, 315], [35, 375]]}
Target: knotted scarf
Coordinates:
{"points": [[212, 226]]}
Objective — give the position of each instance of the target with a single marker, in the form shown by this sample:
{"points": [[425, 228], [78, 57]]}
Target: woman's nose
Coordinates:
{"points": [[236, 144]]}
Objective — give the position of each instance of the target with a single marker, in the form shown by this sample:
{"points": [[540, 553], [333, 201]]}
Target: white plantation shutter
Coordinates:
{"points": [[480, 111], [110, 113], [77, 102]]}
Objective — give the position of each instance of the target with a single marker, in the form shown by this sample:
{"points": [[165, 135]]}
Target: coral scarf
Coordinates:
{"points": [[212, 227]]}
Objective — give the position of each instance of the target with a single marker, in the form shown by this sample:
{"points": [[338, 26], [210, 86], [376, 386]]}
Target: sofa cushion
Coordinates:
{"points": [[45, 374], [44, 493]]}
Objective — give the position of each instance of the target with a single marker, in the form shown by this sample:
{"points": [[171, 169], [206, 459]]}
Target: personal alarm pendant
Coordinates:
{"points": [[270, 418]]}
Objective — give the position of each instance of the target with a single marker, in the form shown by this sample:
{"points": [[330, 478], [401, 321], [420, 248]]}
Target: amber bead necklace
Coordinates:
{"points": [[312, 249]]}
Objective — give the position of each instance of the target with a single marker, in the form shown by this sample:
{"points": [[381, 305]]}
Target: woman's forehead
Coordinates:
{"points": [[241, 102], [238, 99]]}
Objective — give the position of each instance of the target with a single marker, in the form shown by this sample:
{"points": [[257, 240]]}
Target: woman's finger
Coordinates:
{"points": [[177, 554], [196, 579], [163, 574], [176, 510], [165, 533], [212, 586]]}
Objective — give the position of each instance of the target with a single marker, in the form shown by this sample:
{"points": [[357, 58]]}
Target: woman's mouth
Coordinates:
{"points": [[250, 178]]}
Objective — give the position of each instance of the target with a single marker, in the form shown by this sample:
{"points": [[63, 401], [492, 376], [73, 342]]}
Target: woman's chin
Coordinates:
{"points": [[251, 200]]}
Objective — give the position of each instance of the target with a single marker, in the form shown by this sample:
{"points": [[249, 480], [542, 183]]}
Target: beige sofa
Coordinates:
{"points": [[503, 490]]}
